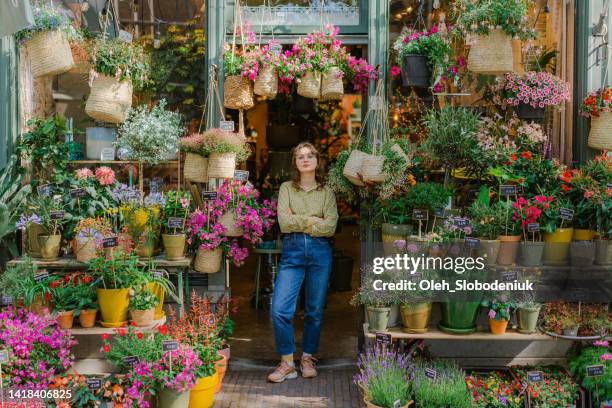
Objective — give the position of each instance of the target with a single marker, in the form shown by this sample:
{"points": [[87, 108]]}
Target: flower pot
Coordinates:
{"points": [[221, 165], [582, 253], [508, 249], [65, 319], [528, 112], [556, 246], [309, 86], [415, 71], [87, 318], [498, 326], [109, 99], [370, 404], [208, 260], [489, 250], [39, 306], [600, 135], [266, 83], [202, 394], [528, 319], [113, 306], [85, 249], [33, 232], [603, 252], [353, 167], [143, 318], [372, 168], [49, 246], [221, 367], [459, 317], [583, 234], [228, 220], [531, 253], [415, 317], [146, 249], [196, 168], [282, 136], [226, 351], [301, 105], [491, 53], [378, 318], [168, 398], [332, 87], [570, 331], [174, 245], [158, 291], [50, 53], [436, 250], [238, 93], [394, 317]]}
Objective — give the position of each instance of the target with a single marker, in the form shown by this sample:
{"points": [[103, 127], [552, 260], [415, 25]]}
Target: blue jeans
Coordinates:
{"points": [[304, 258]]}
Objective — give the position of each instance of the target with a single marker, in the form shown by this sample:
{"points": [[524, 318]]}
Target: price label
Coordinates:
{"points": [[175, 222], [508, 190], [78, 192], [170, 345], [4, 356], [7, 300], [566, 214], [510, 276], [579, 294], [130, 360], [57, 215], [110, 242], [535, 376], [241, 175], [595, 370], [45, 190], [439, 213], [609, 186], [107, 154], [209, 195], [125, 36], [397, 404], [431, 373], [420, 215], [227, 125], [384, 339], [533, 227], [94, 383], [461, 222], [472, 242], [276, 49], [41, 276], [157, 273]]}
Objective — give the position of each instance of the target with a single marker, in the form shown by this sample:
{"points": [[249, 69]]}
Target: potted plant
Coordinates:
{"points": [[86, 303], [495, 388], [176, 372], [582, 356], [224, 149], [386, 377], [511, 235], [558, 232], [528, 212], [487, 220], [603, 244], [491, 26], [174, 218], [20, 282], [240, 66], [118, 67], [447, 390], [206, 236], [531, 92], [52, 218], [596, 105], [570, 324], [64, 303], [143, 223], [377, 303], [498, 314], [557, 387], [150, 135], [88, 236], [415, 306], [458, 316], [527, 313], [47, 41], [196, 158], [142, 306], [266, 83]]}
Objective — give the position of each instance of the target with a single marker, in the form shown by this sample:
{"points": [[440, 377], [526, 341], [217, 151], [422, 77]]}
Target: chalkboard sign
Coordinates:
{"points": [[609, 186], [431, 373], [170, 345], [595, 370], [420, 215], [7, 300], [472, 242], [241, 175], [209, 195], [78, 192], [130, 360], [535, 376], [384, 339], [508, 190], [510, 276], [227, 125], [41, 276], [579, 294], [397, 404], [461, 222], [175, 222], [566, 214], [46, 190], [110, 242], [57, 215], [533, 227], [439, 213], [4, 356], [157, 273], [94, 383]]}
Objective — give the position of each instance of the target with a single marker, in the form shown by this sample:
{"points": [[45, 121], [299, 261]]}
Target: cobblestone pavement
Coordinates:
{"points": [[249, 389]]}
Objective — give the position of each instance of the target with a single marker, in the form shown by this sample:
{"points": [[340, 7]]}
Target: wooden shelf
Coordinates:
{"points": [[165, 162], [435, 334], [71, 263], [99, 330]]}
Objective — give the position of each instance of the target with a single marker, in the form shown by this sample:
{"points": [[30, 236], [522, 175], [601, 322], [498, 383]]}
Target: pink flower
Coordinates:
{"points": [[395, 71], [184, 202], [492, 314], [105, 175], [605, 356], [601, 343], [84, 173]]}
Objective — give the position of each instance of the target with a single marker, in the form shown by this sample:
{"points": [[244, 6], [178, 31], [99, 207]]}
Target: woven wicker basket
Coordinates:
{"points": [[109, 100], [372, 168], [353, 166], [309, 85], [221, 165], [228, 220], [85, 250], [196, 168], [50, 53], [332, 87], [266, 83], [208, 261], [237, 93], [600, 136], [491, 54]]}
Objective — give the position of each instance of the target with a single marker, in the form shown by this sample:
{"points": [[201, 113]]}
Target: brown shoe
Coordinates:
{"points": [[282, 372], [307, 367]]}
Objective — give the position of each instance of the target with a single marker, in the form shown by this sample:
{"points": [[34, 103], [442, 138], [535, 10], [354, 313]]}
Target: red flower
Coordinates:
{"points": [[54, 284], [121, 332], [86, 279], [47, 297], [163, 329], [133, 323], [513, 157], [104, 336], [139, 336], [566, 176], [526, 155], [520, 180], [565, 187], [106, 348]]}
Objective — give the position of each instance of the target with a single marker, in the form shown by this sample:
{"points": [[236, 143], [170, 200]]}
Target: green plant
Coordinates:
{"points": [[13, 196], [63, 298], [510, 225], [46, 18], [447, 390], [119, 273], [556, 390], [121, 60], [482, 16], [142, 299], [340, 184], [368, 296], [13, 279], [498, 310], [86, 298], [581, 356], [131, 342], [427, 196], [430, 44], [177, 205], [50, 213], [487, 219], [550, 219]]}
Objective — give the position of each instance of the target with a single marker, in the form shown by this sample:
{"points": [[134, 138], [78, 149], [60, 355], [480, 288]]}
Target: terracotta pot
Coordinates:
{"points": [[49, 246], [498, 326], [87, 318], [143, 318], [221, 367], [39, 306], [556, 246], [65, 319], [508, 249], [174, 245], [415, 317]]}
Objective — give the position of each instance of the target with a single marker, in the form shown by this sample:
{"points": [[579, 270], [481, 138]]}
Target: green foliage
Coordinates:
{"points": [[582, 356], [481, 16], [86, 298], [121, 60], [147, 349], [550, 219], [19, 282], [487, 220], [44, 207], [143, 299], [177, 205], [431, 45], [448, 390], [544, 61], [336, 180], [118, 273], [12, 199], [428, 196], [63, 298]]}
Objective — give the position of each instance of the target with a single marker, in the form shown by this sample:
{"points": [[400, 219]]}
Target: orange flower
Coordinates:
{"points": [[526, 155], [565, 187], [566, 176], [513, 157]]}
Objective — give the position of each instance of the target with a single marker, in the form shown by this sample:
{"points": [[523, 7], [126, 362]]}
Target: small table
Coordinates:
{"points": [[273, 255]]}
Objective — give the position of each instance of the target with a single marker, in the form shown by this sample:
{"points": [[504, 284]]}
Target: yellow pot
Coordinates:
{"points": [[583, 235], [556, 246], [113, 306], [159, 292], [202, 394]]}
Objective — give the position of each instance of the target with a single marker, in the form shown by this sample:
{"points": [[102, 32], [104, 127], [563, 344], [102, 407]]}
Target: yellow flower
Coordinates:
{"points": [[141, 216]]}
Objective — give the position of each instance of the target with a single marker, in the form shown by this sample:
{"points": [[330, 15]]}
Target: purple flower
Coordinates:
{"points": [[492, 313]]}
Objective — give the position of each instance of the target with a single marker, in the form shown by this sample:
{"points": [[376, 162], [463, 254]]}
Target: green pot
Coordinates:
{"points": [[603, 252], [531, 253], [459, 317], [172, 399], [415, 316], [378, 318], [528, 319], [582, 253], [488, 249]]}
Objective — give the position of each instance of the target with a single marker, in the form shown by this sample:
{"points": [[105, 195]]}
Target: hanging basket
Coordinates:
{"points": [[353, 167], [600, 136], [491, 54], [415, 71], [237, 93], [372, 168], [196, 168], [208, 260], [228, 220], [50, 53], [528, 112], [109, 100], [266, 83], [309, 85], [332, 87], [221, 165]]}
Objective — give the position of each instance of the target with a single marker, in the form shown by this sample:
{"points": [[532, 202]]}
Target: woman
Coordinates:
{"points": [[307, 215]]}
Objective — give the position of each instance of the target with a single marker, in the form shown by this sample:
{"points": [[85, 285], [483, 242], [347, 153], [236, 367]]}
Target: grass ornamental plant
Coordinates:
{"points": [[536, 89], [447, 390]]}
